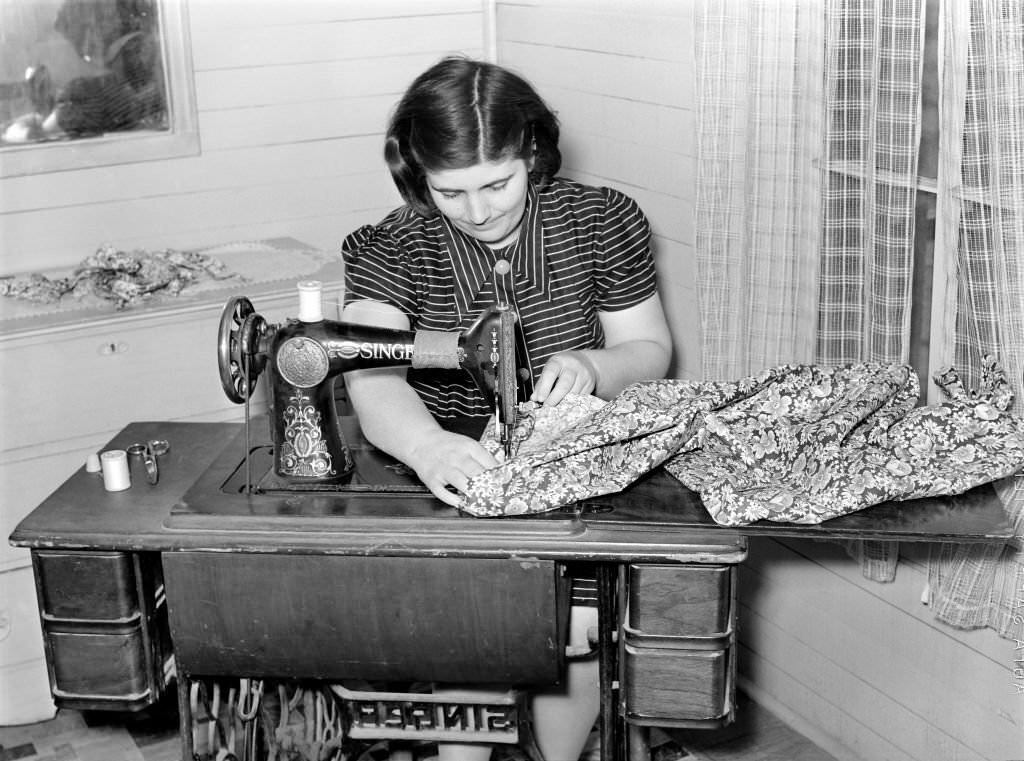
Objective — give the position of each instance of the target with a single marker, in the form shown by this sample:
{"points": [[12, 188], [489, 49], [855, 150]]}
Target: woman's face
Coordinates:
{"points": [[486, 200]]}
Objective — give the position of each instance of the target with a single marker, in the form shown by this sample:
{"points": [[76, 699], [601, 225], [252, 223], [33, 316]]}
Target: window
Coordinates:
{"points": [[927, 187], [882, 183], [93, 82]]}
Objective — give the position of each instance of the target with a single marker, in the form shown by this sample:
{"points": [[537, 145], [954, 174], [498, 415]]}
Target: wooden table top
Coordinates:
{"points": [[201, 503]]}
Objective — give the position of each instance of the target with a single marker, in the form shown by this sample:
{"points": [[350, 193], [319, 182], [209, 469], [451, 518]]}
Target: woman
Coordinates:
{"points": [[473, 150]]}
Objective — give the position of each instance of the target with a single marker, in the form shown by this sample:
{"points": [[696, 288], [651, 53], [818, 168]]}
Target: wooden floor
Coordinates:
{"points": [[150, 735], [153, 736], [756, 735]]}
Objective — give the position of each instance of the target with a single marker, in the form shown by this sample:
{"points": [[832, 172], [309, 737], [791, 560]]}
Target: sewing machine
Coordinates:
{"points": [[304, 356]]}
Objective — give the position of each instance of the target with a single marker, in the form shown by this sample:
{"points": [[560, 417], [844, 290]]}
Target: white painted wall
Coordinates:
{"points": [[865, 668], [292, 102], [619, 75]]}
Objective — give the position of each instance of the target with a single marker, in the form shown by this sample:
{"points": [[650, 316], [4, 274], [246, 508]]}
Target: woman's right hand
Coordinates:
{"points": [[444, 461]]}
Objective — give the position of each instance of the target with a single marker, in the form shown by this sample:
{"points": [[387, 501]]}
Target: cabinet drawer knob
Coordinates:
{"points": [[113, 347]]}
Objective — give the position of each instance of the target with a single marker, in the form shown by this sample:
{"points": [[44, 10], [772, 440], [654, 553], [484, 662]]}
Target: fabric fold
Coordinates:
{"points": [[794, 443]]}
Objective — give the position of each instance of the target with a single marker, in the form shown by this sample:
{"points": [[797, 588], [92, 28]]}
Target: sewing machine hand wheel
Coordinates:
{"points": [[238, 356]]}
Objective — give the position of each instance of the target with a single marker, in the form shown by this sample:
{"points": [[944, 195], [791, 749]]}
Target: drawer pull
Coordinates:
{"points": [[112, 347]]}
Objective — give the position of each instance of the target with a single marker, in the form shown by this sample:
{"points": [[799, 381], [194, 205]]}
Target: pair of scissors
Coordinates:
{"points": [[148, 453]]}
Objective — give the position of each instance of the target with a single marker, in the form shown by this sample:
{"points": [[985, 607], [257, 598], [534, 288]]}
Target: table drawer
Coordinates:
{"points": [[678, 687], [681, 600], [105, 630], [678, 644], [99, 664], [87, 586]]}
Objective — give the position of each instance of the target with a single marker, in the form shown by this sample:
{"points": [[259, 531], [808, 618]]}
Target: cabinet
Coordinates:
{"points": [[678, 645], [71, 376], [391, 619], [104, 624]]}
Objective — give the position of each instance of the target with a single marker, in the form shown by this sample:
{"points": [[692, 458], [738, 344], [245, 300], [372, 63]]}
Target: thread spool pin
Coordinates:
{"points": [[501, 269]]}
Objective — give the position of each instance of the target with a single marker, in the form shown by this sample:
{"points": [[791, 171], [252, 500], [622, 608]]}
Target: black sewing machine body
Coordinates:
{"points": [[304, 357]]}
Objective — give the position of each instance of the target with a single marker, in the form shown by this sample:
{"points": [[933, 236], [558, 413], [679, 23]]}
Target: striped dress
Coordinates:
{"points": [[581, 250]]}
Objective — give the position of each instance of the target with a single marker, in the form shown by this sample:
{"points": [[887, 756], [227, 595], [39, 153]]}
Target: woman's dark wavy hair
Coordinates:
{"points": [[461, 112]]}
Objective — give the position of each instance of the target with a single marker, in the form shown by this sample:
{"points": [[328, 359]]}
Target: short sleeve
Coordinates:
{"points": [[377, 268], [625, 274]]}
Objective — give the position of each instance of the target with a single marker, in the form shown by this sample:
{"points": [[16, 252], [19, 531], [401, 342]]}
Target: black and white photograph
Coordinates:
{"points": [[512, 380]]}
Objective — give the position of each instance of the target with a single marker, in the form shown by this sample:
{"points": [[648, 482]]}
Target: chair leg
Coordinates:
{"points": [[527, 738], [607, 623], [185, 717], [639, 743]]}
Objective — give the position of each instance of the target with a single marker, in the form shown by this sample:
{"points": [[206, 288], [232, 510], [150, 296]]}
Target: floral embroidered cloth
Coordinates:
{"points": [[794, 443], [119, 277]]}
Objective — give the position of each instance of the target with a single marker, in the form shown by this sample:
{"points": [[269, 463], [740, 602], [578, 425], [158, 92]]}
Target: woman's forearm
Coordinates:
{"points": [[391, 414], [396, 421], [618, 366]]}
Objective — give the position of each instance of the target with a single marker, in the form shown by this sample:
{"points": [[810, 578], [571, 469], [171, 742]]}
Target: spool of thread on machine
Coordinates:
{"points": [[116, 476], [310, 301]]}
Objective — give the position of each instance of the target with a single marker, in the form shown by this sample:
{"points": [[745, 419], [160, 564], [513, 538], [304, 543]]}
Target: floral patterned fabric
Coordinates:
{"points": [[794, 443]]}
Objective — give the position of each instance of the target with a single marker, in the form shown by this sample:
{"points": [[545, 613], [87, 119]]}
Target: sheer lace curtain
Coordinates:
{"points": [[808, 130], [759, 134], [808, 114], [980, 252], [873, 96], [807, 123]]}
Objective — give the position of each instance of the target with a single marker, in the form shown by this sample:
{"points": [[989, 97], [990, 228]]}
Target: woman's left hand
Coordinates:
{"points": [[570, 372]]}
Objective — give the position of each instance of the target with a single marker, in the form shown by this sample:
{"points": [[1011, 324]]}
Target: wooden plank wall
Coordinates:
{"points": [[864, 668], [859, 666], [620, 77], [292, 100]]}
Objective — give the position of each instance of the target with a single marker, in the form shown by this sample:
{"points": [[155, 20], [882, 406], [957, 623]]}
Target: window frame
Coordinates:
{"points": [[181, 139]]}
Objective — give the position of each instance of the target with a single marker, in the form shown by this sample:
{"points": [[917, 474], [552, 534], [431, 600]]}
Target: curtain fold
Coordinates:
{"points": [[980, 255], [873, 117], [808, 120], [808, 136], [873, 85], [760, 120]]}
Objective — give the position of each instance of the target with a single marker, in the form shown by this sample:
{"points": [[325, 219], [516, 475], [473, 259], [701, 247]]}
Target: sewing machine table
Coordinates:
{"points": [[199, 573]]}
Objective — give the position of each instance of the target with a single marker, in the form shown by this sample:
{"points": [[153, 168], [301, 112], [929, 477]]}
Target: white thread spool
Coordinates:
{"points": [[310, 302], [92, 463], [116, 476]]}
